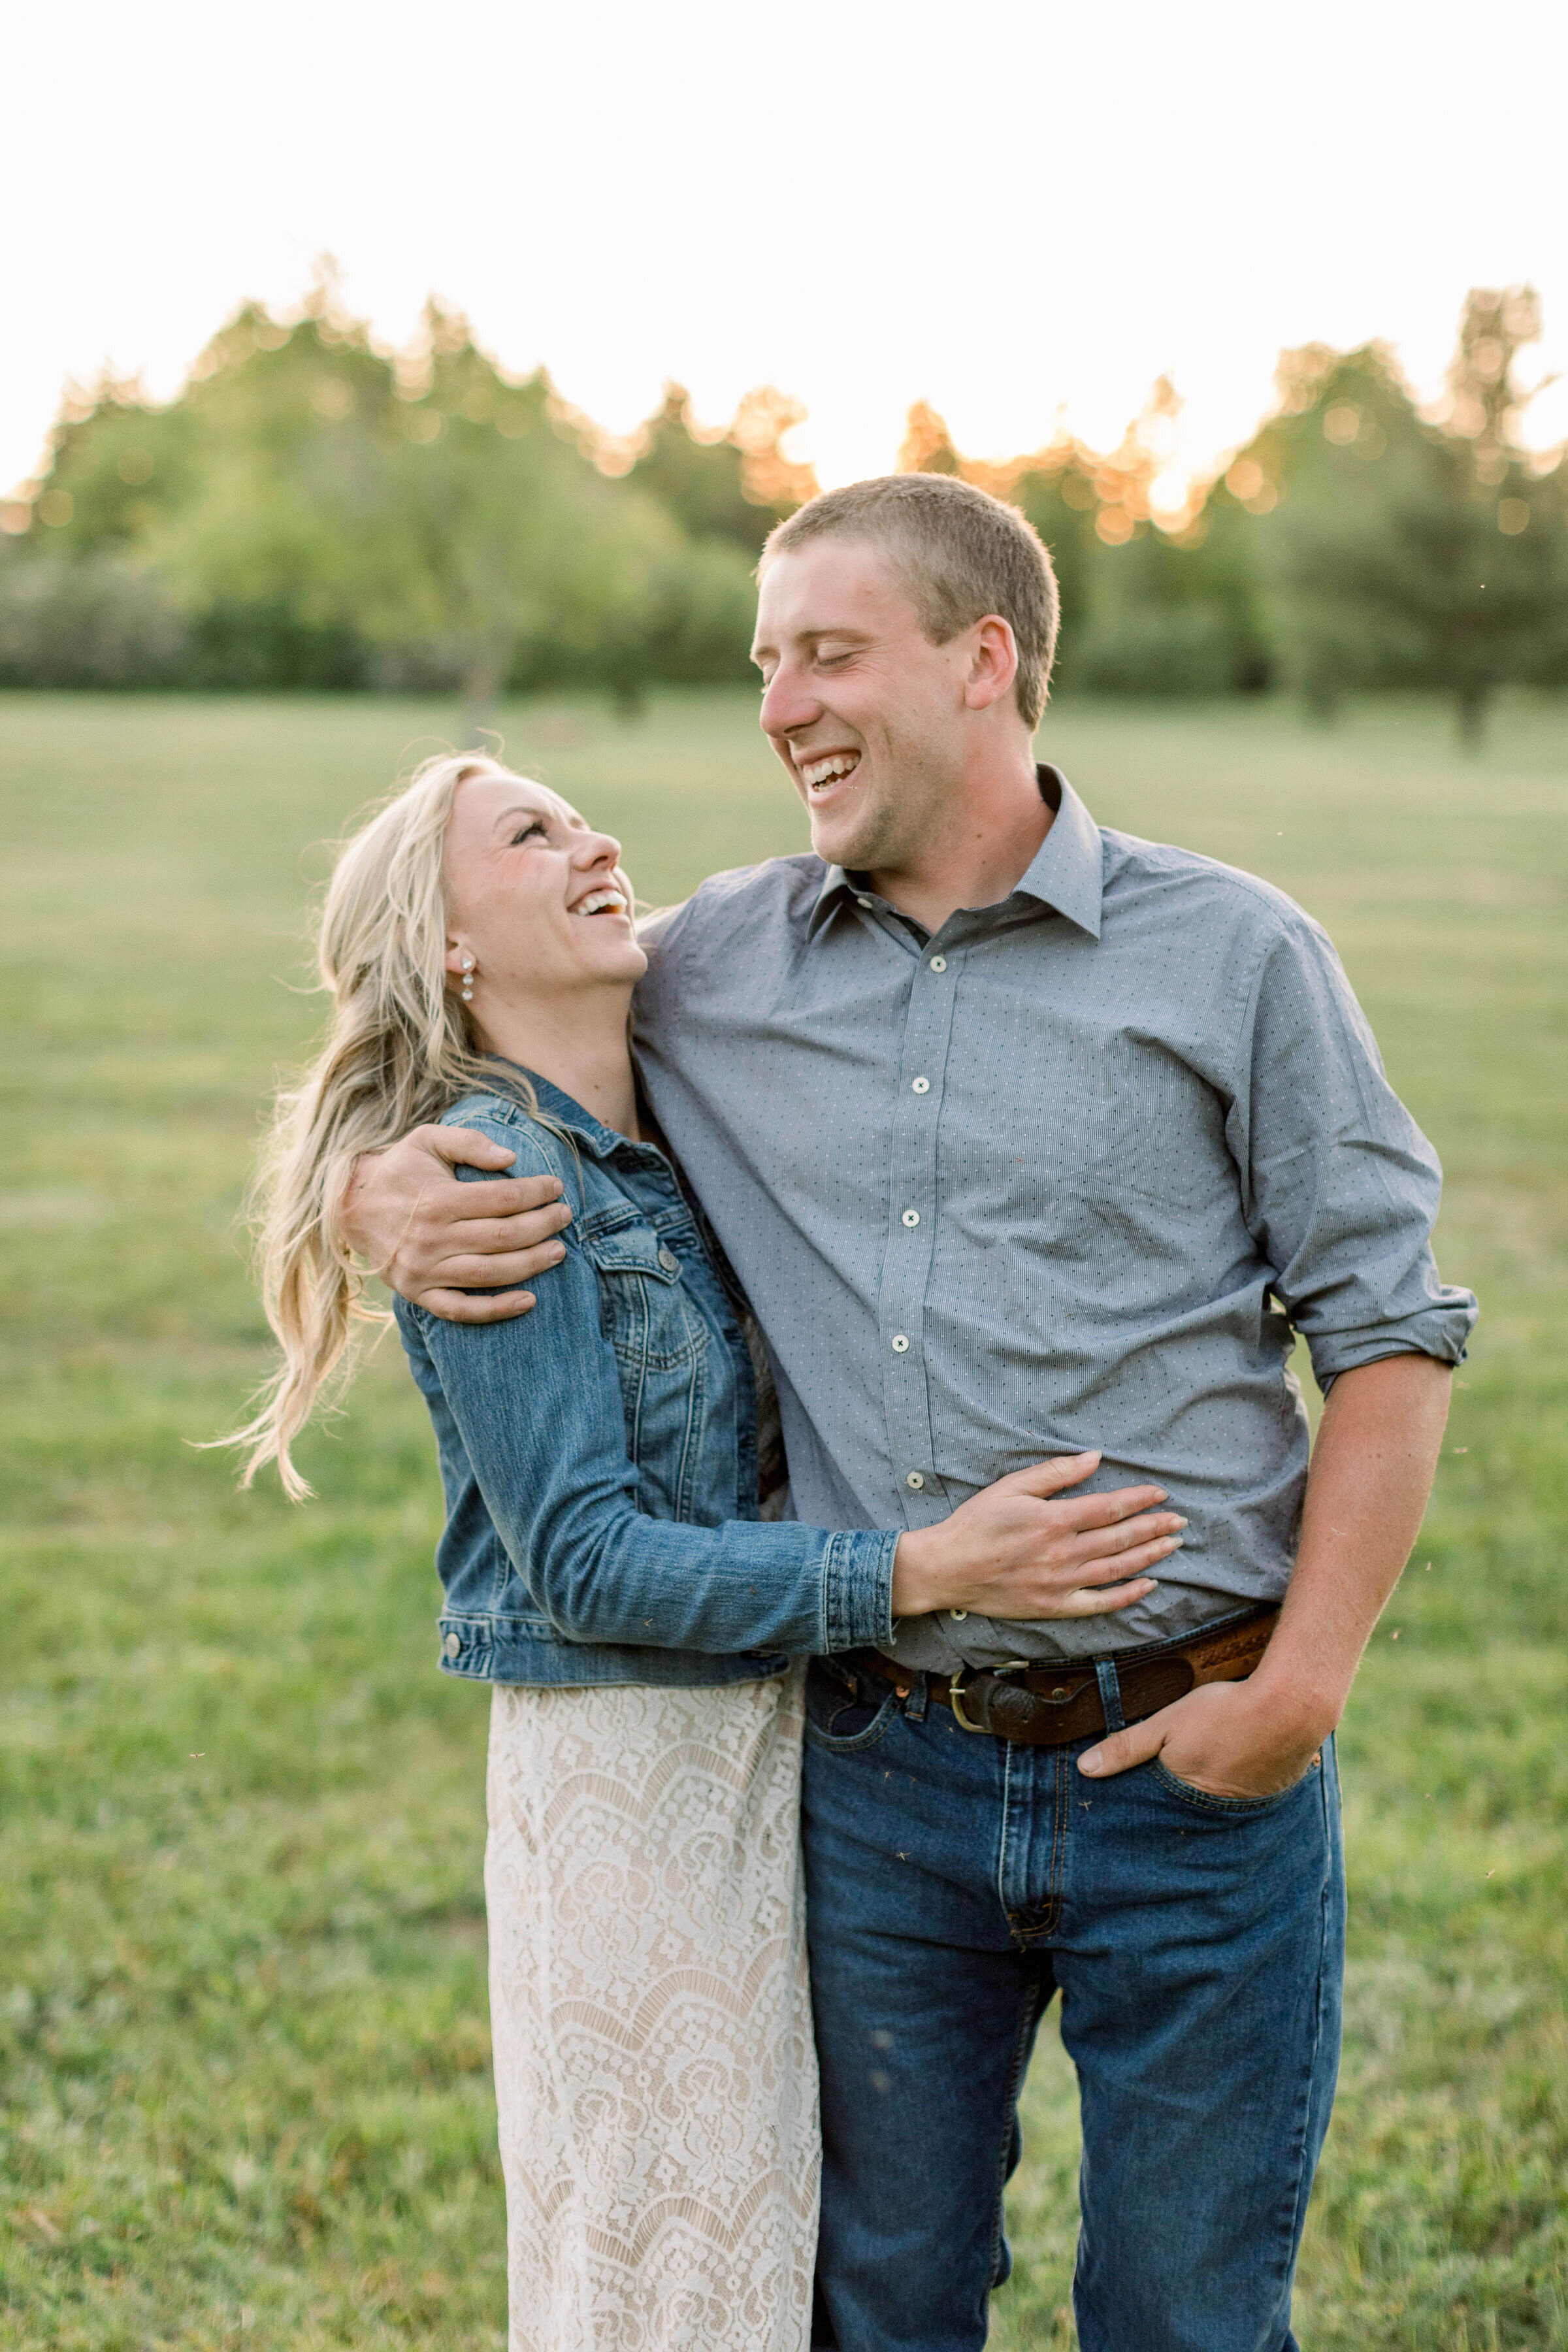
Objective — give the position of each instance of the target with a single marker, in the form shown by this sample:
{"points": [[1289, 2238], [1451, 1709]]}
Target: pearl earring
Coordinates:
{"points": [[468, 979]]}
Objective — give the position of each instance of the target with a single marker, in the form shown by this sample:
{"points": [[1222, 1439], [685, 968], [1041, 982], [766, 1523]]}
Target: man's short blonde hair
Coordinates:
{"points": [[957, 554]]}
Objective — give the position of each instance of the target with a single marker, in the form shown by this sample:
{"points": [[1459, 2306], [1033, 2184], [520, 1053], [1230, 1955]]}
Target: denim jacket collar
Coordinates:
{"points": [[602, 1142]]}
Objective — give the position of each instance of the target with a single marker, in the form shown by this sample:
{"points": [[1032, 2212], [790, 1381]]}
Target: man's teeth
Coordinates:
{"points": [[597, 901], [818, 773]]}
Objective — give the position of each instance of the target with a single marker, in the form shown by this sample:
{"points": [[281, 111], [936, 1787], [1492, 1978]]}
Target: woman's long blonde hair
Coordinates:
{"points": [[399, 1050]]}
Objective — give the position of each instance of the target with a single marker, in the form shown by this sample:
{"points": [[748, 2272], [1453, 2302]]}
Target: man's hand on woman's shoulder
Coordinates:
{"points": [[437, 1241]]}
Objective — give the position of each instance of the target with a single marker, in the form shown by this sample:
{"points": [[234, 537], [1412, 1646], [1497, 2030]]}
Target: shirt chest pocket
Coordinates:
{"points": [[1157, 1130]]}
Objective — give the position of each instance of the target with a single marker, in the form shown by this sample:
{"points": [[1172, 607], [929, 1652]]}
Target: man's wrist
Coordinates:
{"points": [[1302, 1711]]}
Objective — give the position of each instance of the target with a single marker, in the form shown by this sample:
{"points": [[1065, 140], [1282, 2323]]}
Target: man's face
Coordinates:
{"points": [[866, 713]]}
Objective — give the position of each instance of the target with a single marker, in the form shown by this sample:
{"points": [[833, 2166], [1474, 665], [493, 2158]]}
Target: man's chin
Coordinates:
{"points": [[849, 845]]}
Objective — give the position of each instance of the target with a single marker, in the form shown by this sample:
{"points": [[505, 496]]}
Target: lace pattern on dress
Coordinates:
{"points": [[655, 2071]]}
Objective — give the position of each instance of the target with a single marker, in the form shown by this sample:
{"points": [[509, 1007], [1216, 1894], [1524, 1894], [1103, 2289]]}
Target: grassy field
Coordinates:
{"points": [[243, 2043]]}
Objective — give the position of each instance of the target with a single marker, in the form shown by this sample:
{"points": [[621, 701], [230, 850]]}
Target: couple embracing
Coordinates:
{"points": [[906, 1364]]}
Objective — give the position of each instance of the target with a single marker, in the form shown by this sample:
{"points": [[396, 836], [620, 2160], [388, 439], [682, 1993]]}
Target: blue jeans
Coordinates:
{"points": [[954, 1884]]}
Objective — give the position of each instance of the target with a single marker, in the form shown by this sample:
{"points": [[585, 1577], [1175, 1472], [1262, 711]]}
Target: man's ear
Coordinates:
{"points": [[993, 662]]}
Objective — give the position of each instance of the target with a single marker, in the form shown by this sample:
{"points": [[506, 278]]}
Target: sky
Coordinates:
{"points": [[1023, 213]]}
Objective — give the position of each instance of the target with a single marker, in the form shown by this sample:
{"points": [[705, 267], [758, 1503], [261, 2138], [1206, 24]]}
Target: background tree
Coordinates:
{"points": [[730, 484], [1404, 550], [1144, 610], [312, 511]]}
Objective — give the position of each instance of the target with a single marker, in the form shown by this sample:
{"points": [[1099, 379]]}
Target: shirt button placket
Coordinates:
{"points": [[907, 1261]]}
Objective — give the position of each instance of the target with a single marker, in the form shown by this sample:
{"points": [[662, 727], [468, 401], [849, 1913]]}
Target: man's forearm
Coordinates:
{"points": [[1371, 1476]]}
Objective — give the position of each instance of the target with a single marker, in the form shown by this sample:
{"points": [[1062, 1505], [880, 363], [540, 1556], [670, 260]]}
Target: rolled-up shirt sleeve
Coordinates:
{"points": [[1341, 1188]]}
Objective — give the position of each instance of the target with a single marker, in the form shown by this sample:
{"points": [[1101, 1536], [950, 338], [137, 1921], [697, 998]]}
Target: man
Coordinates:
{"points": [[1025, 1137]]}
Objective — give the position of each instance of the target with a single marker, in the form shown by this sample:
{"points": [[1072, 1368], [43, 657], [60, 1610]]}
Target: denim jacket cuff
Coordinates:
{"points": [[858, 1589]]}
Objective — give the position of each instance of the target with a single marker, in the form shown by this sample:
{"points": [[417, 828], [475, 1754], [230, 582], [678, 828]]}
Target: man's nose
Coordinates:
{"points": [[786, 704]]}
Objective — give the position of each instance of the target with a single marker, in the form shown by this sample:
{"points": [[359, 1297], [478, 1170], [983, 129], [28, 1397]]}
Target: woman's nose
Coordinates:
{"points": [[600, 849]]}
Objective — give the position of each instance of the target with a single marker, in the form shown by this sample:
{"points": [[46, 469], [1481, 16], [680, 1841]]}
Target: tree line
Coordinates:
{"points": [[313, 512]]}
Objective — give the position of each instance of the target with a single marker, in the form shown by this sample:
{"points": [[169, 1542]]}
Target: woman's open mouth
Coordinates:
{"points": [[602, 902]]}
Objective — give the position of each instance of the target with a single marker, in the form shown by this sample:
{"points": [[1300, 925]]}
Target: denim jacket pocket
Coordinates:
{"points": [[661, 1342], [644, 1312]]}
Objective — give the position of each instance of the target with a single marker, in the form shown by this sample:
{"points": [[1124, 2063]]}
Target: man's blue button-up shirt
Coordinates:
{"points": [[1070, 1172]]}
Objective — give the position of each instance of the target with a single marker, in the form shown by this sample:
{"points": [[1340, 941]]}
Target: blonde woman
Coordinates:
{"points": [[607, 1570]]}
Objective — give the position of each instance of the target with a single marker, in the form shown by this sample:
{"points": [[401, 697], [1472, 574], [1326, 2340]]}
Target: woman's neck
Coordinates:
{"points": [[577, 1042]]}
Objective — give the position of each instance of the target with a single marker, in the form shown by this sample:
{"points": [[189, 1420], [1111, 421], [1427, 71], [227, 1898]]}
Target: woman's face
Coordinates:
{"points": [[536, 898]]}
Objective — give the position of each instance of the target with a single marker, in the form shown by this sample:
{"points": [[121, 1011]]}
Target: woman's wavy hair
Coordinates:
{"points": [[399, 1051]]}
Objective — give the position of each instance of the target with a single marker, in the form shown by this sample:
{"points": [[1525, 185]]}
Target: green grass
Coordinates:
{"points": [[242, 2018]]}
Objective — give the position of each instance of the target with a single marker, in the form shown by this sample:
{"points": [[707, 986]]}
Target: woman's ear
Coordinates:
{"points": [[456, 951]]}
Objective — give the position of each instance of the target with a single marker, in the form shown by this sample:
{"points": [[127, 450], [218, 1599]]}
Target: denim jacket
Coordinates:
{"points": [[599, 1453]]}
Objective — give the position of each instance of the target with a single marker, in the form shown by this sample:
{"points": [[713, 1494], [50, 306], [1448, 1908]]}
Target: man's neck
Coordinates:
{"points": [[998, 822], [579, 1043]]}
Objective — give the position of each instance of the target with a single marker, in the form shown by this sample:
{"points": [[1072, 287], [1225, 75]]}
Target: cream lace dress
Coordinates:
{"points": [[655, 2069]]}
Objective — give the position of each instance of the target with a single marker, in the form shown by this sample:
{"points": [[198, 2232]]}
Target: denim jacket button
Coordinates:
{"points": [[453, 1646], [669, 1262]]}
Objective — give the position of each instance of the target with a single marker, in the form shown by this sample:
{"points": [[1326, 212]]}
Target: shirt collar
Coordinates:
{"points": [[1067, 872]]}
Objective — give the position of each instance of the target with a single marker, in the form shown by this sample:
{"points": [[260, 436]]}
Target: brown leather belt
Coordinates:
{"points": [[1047, 1705]]}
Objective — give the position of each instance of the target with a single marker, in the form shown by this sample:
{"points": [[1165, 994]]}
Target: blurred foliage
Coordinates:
{"points": [[1400, 549], [1356, 542], [313, 511]]}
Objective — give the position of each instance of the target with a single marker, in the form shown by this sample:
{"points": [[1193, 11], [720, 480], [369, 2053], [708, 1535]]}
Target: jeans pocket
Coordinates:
{"points": [[841, 1721], [1243, 1809]]}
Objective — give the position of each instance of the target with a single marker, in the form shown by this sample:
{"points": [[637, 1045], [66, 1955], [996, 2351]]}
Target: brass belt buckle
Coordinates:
{"points": [[955, 1700], [955, 1690]]}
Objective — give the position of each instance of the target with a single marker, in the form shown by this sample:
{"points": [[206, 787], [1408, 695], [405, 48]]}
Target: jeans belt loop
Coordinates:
{"points": [[1111, 1694], [915, 1704]]}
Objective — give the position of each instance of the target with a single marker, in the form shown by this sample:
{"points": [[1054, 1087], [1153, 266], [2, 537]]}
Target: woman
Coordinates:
{"points": [[607, 1569]]}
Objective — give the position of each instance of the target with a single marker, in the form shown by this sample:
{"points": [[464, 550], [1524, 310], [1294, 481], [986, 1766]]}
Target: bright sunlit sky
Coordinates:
{"points": [[1011, 212]]}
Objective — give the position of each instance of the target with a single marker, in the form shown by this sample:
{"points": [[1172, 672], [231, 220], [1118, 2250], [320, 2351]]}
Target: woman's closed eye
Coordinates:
{"points": [[538, 830]]}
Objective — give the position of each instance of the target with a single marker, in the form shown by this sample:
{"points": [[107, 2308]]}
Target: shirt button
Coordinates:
{"points": [[916, 1479], [862, 902], [939, 963], [958, 1615], [920, 1086], [453, 1646], [912, 1217], [669, 1262], [900, 1344]]}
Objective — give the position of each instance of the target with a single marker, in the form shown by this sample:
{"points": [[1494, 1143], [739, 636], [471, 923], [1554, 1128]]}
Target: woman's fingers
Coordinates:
{"points": [[1047, 1478], [1143, 1556], [1100, 1602], [1082, 1512], [1111, 1543]]}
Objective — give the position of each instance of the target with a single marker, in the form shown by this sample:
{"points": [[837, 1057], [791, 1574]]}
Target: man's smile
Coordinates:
{"points": [[817, 769]]}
